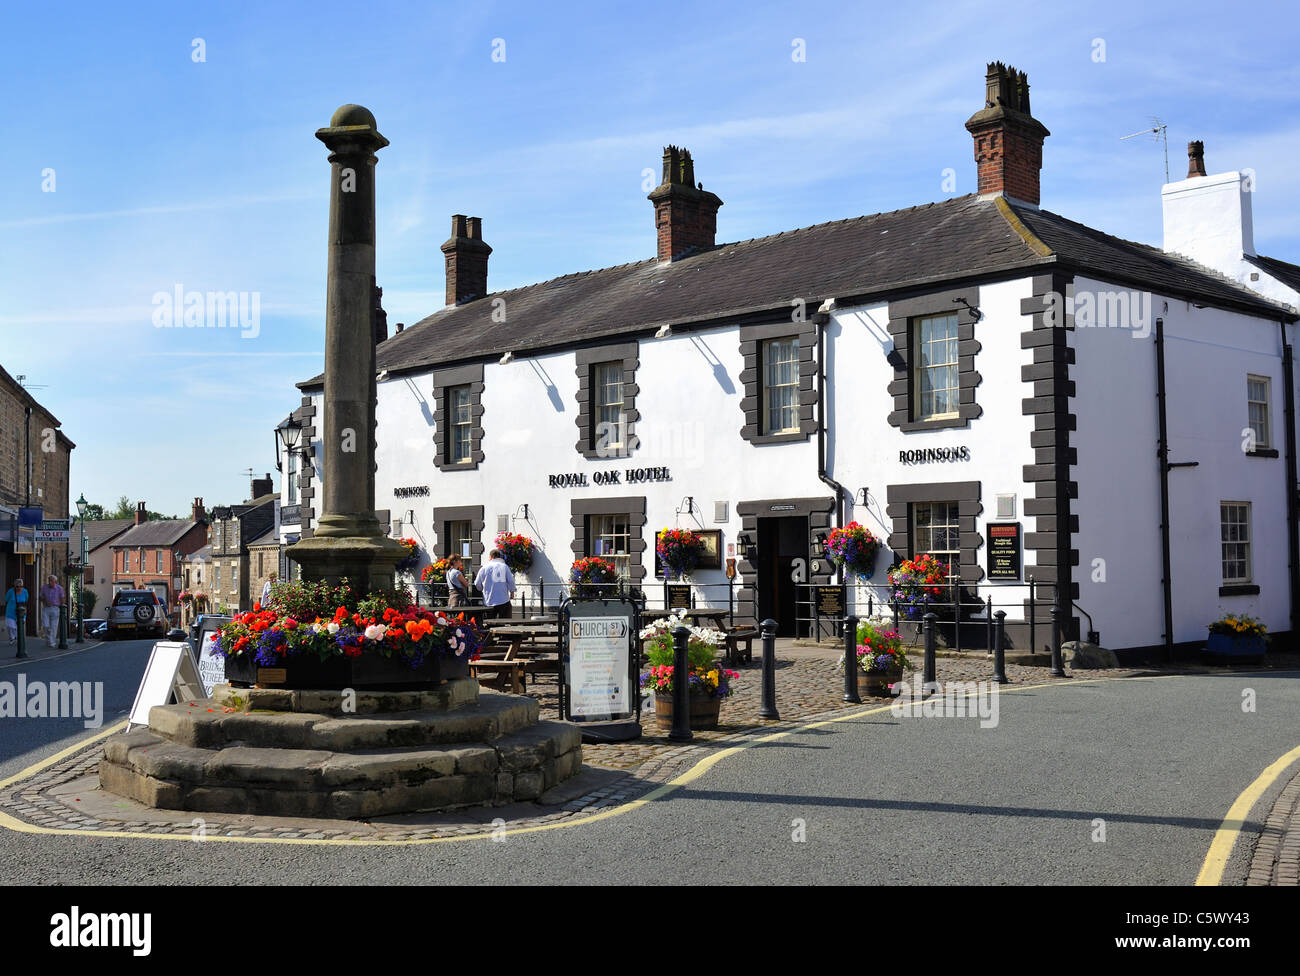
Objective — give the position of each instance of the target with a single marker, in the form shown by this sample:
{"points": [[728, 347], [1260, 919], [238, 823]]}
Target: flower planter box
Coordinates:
{"points": [[1230, 646], [878, 684], [704, 712], [368, 672]]}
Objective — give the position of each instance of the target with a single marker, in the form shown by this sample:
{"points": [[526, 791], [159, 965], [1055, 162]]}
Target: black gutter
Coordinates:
{"points": [[821, 318], [1162, 456], [1293, 530]]}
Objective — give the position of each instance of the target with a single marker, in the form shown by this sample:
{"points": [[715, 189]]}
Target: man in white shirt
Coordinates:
{"points": [[266, 588], [497, 585]]}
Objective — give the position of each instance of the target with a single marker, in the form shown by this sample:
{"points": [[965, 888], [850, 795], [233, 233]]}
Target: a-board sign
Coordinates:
{"points": [[830, 600], [170, 671], [679, 596], [1004, 550], [212, 666], [598, 637]]}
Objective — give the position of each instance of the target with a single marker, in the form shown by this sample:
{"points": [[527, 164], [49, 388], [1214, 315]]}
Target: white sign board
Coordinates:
{"points": [[212, 666], [598, 666], [170, 671], [52, 530]]}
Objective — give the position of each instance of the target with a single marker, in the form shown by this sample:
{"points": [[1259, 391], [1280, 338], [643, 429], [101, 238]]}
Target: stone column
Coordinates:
{"points": [[348, 540]]}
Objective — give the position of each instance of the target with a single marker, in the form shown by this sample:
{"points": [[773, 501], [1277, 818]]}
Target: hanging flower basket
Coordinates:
{"points": [[855, 548], [918, 583], [412, 557], [679, 552], [516, 550]]}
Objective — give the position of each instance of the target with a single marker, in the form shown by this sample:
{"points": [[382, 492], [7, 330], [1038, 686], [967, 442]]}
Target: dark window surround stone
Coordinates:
{"points": [[586, 360], [819, 512], [899, 500], [752, 338], [1052, 540], [470, 375], [460, 513], [903, 314], [306, 468], [633, 506], [1263, 452], [1239, 589]]}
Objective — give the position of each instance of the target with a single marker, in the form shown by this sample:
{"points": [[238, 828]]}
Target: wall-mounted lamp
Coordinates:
{"points": [[819, 545], [744, 545], [664, 332], [976, 314]]}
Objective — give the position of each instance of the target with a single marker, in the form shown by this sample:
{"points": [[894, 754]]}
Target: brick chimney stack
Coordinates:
{"points": [[262, 486], [197, 514], [1008, 139], [141, 513], [686, 215], [1195, 159], [467, 260]]}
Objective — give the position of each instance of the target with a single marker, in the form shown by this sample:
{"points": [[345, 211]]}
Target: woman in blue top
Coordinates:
{"points": [[17, 594]]}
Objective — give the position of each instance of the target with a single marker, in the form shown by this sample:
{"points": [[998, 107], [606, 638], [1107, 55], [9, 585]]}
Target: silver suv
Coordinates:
{"points": [[136, 612]]}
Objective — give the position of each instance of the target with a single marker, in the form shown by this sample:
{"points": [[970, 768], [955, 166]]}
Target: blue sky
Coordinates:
{"points": [[206, 174]]}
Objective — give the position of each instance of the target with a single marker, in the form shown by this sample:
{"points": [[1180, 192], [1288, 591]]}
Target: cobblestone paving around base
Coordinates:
{"points": [[809, 685], [1277, 855]]}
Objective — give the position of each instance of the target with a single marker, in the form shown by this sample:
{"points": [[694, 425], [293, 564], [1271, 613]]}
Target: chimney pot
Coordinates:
{"points": [[1195, 159], [141, 513], [1008, 139], [466, 260], [686, 214]]}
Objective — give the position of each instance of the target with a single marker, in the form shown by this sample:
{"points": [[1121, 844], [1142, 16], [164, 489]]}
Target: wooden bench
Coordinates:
{"points": [[501, 674], [740, 643]]}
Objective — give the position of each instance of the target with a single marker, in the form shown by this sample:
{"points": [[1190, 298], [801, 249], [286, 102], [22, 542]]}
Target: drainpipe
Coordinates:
{"points": [[1162, 456], [821, 318], [1293, 531], [28, 444]]}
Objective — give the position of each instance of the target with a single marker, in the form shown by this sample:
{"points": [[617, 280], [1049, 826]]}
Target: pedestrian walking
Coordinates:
{"points": [[51, 605], [15, 595], [498, 586], [266, 587], [457, 585]]}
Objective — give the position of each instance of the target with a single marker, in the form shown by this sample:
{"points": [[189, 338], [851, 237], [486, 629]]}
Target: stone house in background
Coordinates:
{"points": [[34, 471], [263, 560], [233, 528], [100, 536]]}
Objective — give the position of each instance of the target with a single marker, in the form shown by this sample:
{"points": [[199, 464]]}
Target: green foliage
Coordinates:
{"points": [[305, 601]]}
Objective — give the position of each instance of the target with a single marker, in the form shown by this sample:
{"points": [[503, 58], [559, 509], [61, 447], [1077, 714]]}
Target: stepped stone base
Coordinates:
{"points": [[299, 753]]}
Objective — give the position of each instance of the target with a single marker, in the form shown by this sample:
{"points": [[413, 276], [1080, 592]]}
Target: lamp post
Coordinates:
{"points": [[82, 505]]}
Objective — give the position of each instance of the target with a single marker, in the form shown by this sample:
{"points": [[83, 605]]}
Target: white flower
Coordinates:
{"points": [[332, 627], [376, 632]]}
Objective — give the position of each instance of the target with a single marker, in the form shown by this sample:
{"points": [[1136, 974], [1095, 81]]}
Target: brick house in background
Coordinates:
{"points": [[233, 528], [34, 462], [100, 536], [148, 555]]}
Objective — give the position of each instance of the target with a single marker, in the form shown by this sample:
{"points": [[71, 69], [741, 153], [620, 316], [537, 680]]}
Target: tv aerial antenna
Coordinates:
{"points": [[22, 381], [1159, 132]]}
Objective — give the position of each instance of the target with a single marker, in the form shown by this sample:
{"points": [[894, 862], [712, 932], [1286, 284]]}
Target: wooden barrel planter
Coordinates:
{"points": [[369, 672], [704, 712], [876, 683]]}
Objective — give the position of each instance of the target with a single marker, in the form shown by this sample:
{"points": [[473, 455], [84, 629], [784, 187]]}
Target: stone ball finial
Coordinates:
{"points": [[353, 115]]}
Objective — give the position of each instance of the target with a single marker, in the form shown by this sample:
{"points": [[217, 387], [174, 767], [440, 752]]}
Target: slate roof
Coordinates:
{"points": [[861, 257], [1283, 271], [160, 532], [100, 531], [267, 538]]}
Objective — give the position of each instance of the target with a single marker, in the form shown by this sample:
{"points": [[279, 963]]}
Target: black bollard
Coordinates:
{"points": [[768, 707], [988, 615], [681, 731], [1058, 668], [931, 678], [851, 661], [63, 627], [999, 656], [21, 610], [1033, 617]]}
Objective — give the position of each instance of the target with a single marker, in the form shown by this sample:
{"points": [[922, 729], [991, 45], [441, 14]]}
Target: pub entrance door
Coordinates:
{"points": [[781, 542]]}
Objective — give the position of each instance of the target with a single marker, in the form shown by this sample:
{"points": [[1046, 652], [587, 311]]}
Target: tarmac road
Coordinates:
{"points": [[881, 800]]}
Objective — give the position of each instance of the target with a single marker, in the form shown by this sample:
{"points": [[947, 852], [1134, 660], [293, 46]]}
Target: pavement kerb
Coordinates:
{"points": [[23, 662], [746, 739], [1225, 838]]}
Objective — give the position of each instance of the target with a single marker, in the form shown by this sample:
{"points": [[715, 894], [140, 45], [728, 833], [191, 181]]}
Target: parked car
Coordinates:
{"points": [[99, 632], [90, 624], [135, 613]]}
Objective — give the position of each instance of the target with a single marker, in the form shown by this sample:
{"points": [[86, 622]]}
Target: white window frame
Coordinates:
{"points": [[781, 386], [936, 358], [291, 479], [607, 398], [460, 541], [610, 537], [460, 421], [1263, 438], [1240, 554], [923, 536]]}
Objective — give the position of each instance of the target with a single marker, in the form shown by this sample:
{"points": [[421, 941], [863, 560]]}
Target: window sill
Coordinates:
{"points": [[1263, 452], [939, 423], [1239, 589], [783, 438]]}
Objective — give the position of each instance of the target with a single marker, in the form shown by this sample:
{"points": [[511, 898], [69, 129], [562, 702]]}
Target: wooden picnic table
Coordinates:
{"points": [[716, 617]]}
